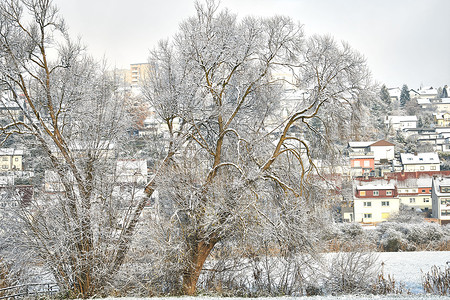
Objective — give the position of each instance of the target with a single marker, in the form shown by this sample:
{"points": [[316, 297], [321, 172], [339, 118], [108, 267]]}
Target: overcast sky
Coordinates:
{"points": [[404, 41]]}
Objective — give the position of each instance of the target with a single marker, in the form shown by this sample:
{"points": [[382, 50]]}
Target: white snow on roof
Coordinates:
{"points": [[420, 158], [423, 101], [10, 151], [375, 187], [399, 119]]}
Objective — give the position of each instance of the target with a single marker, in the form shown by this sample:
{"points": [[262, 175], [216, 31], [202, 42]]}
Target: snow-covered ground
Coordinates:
{"points": [[394, 297], [405, 267]]}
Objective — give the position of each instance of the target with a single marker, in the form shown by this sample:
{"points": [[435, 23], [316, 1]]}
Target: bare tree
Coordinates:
{"points": [[232, 160], [69, 109]]}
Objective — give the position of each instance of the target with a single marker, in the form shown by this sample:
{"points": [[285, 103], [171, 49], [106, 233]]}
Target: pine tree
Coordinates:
{"points": [[384, 95], [404, 95]]}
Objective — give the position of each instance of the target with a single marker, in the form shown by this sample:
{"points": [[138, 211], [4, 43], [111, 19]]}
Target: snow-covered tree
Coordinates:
{"points": [[233, 163], [68, 108], [404, 96], [384, 95]]}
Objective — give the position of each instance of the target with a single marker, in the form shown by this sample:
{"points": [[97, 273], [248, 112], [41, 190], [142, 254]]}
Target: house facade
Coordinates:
{"points": [[441, 199], [382, 150], [375, 203], [415, 193], [396, 123], [420, 162], [10, 159]]}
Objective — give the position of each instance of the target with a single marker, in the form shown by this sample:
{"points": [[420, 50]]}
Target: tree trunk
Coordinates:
{"points": [[200, 253]]}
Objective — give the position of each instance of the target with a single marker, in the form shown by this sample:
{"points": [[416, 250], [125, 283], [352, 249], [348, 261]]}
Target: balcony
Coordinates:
{"points": [[361, 154]]}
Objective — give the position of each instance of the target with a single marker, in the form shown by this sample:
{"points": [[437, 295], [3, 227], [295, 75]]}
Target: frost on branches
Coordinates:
{"points": [[239, 180], [237, 173]]}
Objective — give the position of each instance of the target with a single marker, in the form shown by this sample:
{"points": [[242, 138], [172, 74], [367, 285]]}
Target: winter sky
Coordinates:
{"points": [[404, 41]]}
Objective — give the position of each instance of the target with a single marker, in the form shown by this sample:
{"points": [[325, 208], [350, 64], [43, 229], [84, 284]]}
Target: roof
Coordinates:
{"points": [[419, 158], [381, 143], [441, 181], [360, 144], [10, 151], [399, 119], [375, 187]]}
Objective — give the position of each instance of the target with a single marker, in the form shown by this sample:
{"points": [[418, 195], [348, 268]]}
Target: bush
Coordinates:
{"points": [[351, 272]]}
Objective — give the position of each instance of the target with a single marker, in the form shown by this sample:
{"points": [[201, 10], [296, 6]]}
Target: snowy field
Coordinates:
{"points": [[405, 267]]}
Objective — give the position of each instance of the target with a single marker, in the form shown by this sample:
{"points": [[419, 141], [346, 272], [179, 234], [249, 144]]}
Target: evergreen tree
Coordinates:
{"points": [[384, 95], [404, 95]]}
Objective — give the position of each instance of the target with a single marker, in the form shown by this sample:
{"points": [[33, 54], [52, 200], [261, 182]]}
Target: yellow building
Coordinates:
{"points": [[130, 77], [138, 72], [442, 120], [10, 160]]}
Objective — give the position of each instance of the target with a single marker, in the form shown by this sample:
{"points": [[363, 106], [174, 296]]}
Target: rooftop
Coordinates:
{"points": [[419, 158]]}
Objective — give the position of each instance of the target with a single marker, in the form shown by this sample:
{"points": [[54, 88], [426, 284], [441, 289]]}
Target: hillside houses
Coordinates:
{"points": [[376, 199]]}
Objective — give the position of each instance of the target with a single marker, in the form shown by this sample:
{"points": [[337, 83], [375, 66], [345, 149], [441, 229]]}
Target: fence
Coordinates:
{"points": [[29, 290]]}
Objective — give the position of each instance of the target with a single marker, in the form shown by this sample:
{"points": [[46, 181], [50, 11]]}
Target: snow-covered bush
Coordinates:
{"points": [[351, 272], [392, 240]]}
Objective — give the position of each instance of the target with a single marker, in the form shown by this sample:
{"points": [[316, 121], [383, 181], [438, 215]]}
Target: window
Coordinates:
{"points": [[424, 191], [445, 189], [385, 215], [16, 159], [433, 168], [366, 163], [422, 168], [368, 204], [4, 158], [362, 193], [4, 167], [426, 200], [388, 193], [412, 200], [367, 216], [376, 193], [445, 213], [357, 163], [384, 203]]}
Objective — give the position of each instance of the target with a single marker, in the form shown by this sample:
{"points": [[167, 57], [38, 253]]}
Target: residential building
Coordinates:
{"points": [[10, 159], [423, 93], [417, 162], [396, 123], [132, 171], [415, 192], [382, 151], [361, 164], [441, 199], [374, 203], [442, 119], [138, 72], [15, 196]]}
